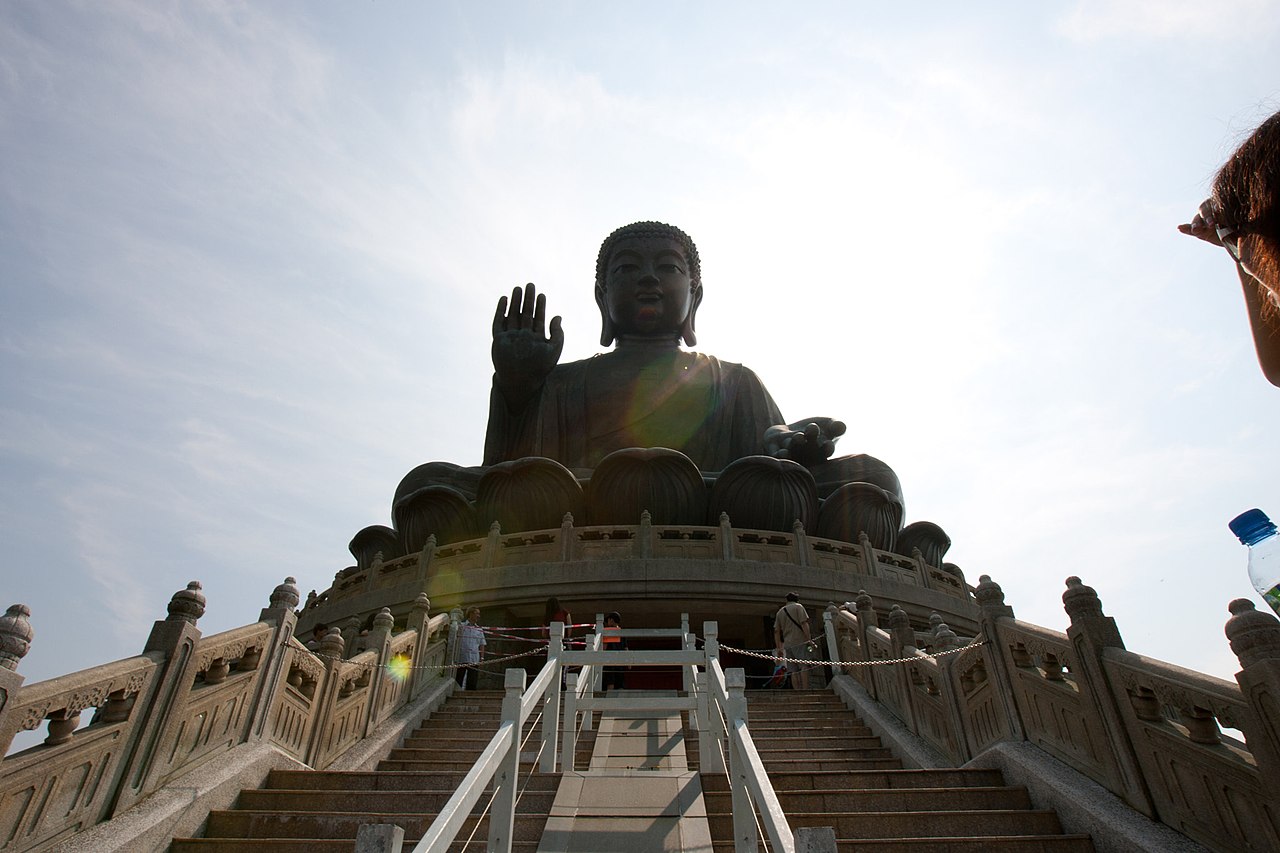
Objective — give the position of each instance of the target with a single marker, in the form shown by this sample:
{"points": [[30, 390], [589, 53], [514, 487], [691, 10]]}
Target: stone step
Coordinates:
{"points": [[815, 740], [978, 844], [373, 780], [323, 845], [919, 824], [879, 800], [387, 802], [846, 763], [263, 825], [769, 753], [892, 779], [842, 725], [437, 766]]}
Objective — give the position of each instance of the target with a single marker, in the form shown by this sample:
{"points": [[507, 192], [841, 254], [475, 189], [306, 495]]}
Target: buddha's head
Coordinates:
{"points": [[648, 284]]}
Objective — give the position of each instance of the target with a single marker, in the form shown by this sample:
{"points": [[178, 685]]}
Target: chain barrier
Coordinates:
{"points": [[776, 659], [810, 662]]}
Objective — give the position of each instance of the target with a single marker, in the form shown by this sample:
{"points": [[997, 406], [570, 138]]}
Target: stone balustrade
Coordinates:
{"points": [[569, 543], [1148, 731], [188, 699]]}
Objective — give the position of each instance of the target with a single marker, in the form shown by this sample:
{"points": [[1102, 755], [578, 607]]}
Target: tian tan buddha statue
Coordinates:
{"points": [[645, 426]]}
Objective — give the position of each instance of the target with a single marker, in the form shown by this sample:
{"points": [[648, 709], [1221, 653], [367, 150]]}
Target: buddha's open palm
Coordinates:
{"points": [[523, 354]]}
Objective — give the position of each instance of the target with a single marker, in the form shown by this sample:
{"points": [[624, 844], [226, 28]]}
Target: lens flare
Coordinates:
{"points": [[398, 667]]}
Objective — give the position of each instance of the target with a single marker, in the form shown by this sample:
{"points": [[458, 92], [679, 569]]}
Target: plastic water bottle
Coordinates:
{"points": [[1259, 533]]}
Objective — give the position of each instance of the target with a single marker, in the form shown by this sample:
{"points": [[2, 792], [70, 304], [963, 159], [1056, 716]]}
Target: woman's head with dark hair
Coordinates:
{"points": [[552, 609], [1246, 195]]}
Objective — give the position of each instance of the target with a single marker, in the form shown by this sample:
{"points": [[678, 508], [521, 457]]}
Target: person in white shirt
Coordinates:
{"points": [[470, 649]]}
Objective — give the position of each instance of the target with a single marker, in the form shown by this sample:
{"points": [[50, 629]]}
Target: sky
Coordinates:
{"points": [[249, 255]]}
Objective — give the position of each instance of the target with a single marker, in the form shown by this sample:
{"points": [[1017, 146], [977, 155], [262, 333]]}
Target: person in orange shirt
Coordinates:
{"points": [[611, 640]]}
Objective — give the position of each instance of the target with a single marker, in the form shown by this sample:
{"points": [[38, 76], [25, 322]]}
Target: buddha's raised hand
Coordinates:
{"points": [[523, 355], [807, 441]]}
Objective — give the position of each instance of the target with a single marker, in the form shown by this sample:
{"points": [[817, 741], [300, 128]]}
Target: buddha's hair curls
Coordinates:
{"points": [[650, 230], [1247, 188]]}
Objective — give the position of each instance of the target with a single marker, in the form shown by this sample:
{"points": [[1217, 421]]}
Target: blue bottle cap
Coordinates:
{"points": [[1251, 526]]}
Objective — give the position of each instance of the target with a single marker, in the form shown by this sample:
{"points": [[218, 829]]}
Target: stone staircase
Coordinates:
{"points": [[827, 767], [302, 811], [829, 770]]}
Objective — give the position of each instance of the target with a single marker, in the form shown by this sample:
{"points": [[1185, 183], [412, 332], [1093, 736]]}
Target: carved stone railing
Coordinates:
{"points": [[645, 540], [1148, 731], [188, 699]]}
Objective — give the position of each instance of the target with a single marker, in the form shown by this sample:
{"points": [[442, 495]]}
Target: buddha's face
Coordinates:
{"points": [[647, 289]]}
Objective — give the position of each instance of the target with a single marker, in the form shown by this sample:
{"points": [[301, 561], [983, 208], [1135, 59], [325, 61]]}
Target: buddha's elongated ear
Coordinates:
{"points": [[686, 328], [607, 333]]}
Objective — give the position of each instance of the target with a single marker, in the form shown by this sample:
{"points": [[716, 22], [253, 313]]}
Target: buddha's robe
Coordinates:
{"points": [[712, 411]]}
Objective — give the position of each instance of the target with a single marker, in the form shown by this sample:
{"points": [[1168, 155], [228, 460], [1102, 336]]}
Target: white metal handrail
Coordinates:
{"points": [[715, 700]]}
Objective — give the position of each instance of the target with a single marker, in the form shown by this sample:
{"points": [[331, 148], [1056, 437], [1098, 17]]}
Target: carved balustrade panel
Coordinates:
{"points": [[294, 711], [935, 718], [1204, 783], [887, 678], [898, 569], [395, 572], [946, 582], [228, 667], [764, 546], [67, 782], [538, 546], [1057, 717], [462, 556], [345, 723], [850, 647], [690, 543], [829, 554], [395, 676], [985, 722], [610, 543]]}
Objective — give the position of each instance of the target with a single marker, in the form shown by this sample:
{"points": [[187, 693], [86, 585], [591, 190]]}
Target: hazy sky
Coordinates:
{"points": [[249, 255]]}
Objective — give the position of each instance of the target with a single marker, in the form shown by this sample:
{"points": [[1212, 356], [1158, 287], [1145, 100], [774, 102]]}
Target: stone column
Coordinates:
{"points": [[273, 661], [15, 641], [330, 653], [1092, 632], [380, 641], [419, 620], [1255, 639], [173, 644], [990, 598]]}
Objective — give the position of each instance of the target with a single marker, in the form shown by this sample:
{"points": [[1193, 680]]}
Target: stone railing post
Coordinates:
{"points": [[350, 637], [492, 545], [726, 537], [1255, 639], [904, 641], [174, 640], [379, 640], [425, 557], [15, 640], [800, 541], [644, 536], [330, 652], [1092, 632], [867, 551], [451, 652], [833, 641], [990, 598], [419, 620], [945, 640], [567, 539], [273, 670]]}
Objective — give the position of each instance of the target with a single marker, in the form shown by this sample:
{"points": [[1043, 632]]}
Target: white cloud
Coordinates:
{"points": [[1186, 20]]}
